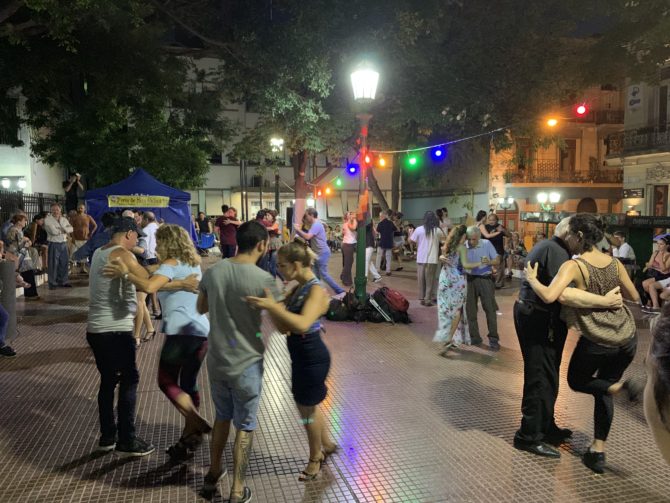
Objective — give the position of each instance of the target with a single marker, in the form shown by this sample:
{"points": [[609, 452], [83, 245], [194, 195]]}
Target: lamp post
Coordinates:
{"points": [[505, 203], [548, 202], [364, 81], [277, 145]]}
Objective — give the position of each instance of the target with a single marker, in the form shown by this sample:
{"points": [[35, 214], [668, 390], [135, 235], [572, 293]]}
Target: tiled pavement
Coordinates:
{"points": [[413, 427]]}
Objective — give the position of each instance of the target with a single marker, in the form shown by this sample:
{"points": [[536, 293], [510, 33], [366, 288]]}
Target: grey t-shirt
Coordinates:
{"points": [[318, 242], [235, 339]]}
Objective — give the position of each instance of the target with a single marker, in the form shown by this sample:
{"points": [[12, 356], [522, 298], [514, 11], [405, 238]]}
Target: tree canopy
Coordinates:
{"points": [[107, 96]]}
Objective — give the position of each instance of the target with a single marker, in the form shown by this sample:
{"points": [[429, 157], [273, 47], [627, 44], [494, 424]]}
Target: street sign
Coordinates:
{"points": [[633, 193], [650, 222]]}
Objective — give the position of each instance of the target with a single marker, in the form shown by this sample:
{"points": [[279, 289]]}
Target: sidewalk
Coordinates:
{"points": [[413, 427]]}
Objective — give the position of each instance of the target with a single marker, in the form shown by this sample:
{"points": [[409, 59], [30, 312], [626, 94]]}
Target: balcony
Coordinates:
{"points": [[602, 117], [638, 141], [549, 171]]}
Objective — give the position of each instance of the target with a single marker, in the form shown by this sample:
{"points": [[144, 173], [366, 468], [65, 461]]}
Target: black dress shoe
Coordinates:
{"points": [[557, 436], [594, 460], [539, 448]]}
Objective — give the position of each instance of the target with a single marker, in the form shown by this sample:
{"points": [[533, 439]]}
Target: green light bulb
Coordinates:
{"points": [[338, 182], [412, 161]]}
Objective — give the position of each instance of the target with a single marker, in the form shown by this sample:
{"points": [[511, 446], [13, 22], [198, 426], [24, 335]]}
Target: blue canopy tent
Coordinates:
{"points": [[142, 191]]}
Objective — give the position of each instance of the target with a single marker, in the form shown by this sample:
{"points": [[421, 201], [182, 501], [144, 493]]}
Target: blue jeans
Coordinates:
{"points": [[321, 272], [58, 264], [4, 323], [237, 399], [115, 358]]}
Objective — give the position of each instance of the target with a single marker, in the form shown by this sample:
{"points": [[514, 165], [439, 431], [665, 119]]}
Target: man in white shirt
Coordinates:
{"points": [[623, 251], [150, 229], [58, 227]]}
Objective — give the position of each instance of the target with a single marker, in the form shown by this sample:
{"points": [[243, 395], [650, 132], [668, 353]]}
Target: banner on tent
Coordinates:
{"points": [[138, 201]]}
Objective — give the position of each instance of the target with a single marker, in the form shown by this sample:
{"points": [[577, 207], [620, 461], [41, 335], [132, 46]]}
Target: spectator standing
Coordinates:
{"points": [[228, 225], [385, 229], [369, 250], [275, 241], [235, 354], [349, 238], [111, 311], [5, 350], [481, 287], [203, 224], [38, 236], [58, 228], [83, 227], [71, 188], [317, 242], [428, 238], [150, 258], [98, 240], [445, 221]]}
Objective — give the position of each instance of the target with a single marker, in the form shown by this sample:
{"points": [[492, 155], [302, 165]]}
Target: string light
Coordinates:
{"points": [[382, 162], [444, 144]]}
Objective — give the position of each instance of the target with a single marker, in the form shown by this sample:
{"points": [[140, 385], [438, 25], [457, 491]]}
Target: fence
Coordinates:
{"points": [[30, 203]]}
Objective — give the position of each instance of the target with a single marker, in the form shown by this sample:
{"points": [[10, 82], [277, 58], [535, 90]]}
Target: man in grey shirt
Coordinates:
{"points": [[317, 241], [235, 354]]}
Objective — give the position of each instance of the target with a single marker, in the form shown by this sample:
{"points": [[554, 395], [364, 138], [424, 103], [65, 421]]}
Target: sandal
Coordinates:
{"points": [[446, 348], [148, 336], [305, 476]]}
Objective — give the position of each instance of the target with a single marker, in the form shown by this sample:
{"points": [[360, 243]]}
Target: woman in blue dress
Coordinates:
{"points": [[452, 328], [299, 316]]}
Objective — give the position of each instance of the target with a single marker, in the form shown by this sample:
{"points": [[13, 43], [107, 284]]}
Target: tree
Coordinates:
{"points": [[103, 96]]}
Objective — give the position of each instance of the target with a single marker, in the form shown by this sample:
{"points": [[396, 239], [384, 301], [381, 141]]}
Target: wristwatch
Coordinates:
{"points": [[125, 276]]}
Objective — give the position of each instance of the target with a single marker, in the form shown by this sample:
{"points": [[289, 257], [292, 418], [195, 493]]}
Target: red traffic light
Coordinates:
{"points": [[581, 110]]}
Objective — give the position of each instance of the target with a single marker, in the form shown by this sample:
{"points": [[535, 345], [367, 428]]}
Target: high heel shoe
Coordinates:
{"points": [[329, 452], [305, 476], [148, 336]]}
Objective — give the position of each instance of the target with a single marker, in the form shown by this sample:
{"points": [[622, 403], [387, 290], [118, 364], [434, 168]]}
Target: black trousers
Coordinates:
{"points": [[542, 338], [115, 358], [593, 369], [348, 253]]}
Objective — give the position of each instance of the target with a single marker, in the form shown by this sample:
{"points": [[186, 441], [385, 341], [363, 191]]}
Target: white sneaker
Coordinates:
{"points": [[377, 279]]}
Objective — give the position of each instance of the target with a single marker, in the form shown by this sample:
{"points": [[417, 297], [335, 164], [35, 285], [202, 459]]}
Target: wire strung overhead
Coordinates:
{"points": [[437, 145]]}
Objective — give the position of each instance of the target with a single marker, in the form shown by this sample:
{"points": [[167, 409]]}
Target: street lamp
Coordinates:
{"points": [[364, 81], [5, 183], [505, 203], [548, 202], [22, 184], [277, 146]]}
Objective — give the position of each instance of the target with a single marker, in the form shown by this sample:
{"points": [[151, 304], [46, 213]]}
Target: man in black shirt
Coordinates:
{"points": [[497, 239], [71, 187], [386, 229], [542, 335]]}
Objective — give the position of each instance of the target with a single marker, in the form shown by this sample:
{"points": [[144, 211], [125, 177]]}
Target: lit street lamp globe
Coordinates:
{"points": [[364, 81]]}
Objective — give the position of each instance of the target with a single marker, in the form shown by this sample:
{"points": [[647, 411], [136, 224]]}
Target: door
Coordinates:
{"points": [[568, 160]]}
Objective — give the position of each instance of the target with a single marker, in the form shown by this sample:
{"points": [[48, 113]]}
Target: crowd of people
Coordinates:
{"points": [[139, 267]]}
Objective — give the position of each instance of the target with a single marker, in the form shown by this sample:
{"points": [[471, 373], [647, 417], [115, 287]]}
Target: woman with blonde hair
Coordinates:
{"points": [[186, 331], [452, 328], [299, 316]]}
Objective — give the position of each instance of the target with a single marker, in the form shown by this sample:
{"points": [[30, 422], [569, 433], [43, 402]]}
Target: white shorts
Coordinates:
{"points": [[665, 283]]}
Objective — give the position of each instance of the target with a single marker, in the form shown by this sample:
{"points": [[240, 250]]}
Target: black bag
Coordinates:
{"points": [[397, 316], [337, 311]]}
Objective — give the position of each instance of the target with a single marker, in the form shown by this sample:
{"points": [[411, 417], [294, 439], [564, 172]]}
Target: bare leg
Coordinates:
{"points": [[653, 293], [241, 453], [313, 422], [218, 442], [194, 421], [139, 316]]}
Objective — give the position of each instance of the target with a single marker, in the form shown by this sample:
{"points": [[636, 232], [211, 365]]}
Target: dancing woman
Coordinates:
{"points": [[608, 336], [310, 359], [452, 328]]}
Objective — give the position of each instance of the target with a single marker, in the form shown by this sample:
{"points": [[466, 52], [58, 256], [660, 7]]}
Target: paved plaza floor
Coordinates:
{"points": [[412, 426]]}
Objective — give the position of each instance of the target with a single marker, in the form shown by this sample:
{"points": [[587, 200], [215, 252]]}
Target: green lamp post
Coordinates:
{"points": [[364, 81]]}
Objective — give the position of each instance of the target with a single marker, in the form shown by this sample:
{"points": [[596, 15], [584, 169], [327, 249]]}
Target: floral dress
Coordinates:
{"points": [[451, 294]]}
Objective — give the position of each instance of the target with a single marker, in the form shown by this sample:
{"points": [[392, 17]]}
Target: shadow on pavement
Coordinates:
{"points": [[51, 357]]}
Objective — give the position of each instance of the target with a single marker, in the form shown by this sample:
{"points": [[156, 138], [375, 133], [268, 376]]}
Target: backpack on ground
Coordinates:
{"points": [[337, 311], [387, 301]]}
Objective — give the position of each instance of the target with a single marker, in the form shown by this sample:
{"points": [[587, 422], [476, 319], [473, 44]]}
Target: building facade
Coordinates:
{"points": [[577, 166]]}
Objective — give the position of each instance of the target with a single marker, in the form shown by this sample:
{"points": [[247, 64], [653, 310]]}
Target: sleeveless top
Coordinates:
{"points": [[608, 327], [113, 302], [297, 300], [454, 262], [658, 263]]}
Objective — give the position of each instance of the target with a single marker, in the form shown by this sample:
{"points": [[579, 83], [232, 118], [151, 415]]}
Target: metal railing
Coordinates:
{"points": [[547, 171], [602, 117], [32, 204], [648, 139]]}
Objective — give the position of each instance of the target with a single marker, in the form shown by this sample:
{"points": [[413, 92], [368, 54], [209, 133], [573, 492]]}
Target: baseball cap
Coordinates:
{"points": [[125, 224]]}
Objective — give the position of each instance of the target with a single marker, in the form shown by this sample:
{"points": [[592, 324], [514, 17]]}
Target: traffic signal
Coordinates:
{"points": [[581, 110]]}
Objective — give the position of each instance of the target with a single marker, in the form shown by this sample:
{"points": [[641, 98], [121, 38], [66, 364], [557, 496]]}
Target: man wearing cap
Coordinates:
{"points": [[110, 334]]}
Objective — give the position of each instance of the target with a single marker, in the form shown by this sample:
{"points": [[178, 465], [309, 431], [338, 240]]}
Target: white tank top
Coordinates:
{"points": [[113, 302]]}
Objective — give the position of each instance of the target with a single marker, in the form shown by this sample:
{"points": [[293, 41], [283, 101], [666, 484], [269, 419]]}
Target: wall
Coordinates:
{"points": [[414, 208]]}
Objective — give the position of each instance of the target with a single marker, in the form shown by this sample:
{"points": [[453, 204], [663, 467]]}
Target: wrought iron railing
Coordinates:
{"points": [[32, 204], [649, 139], [547, 171], [602, 117]]}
